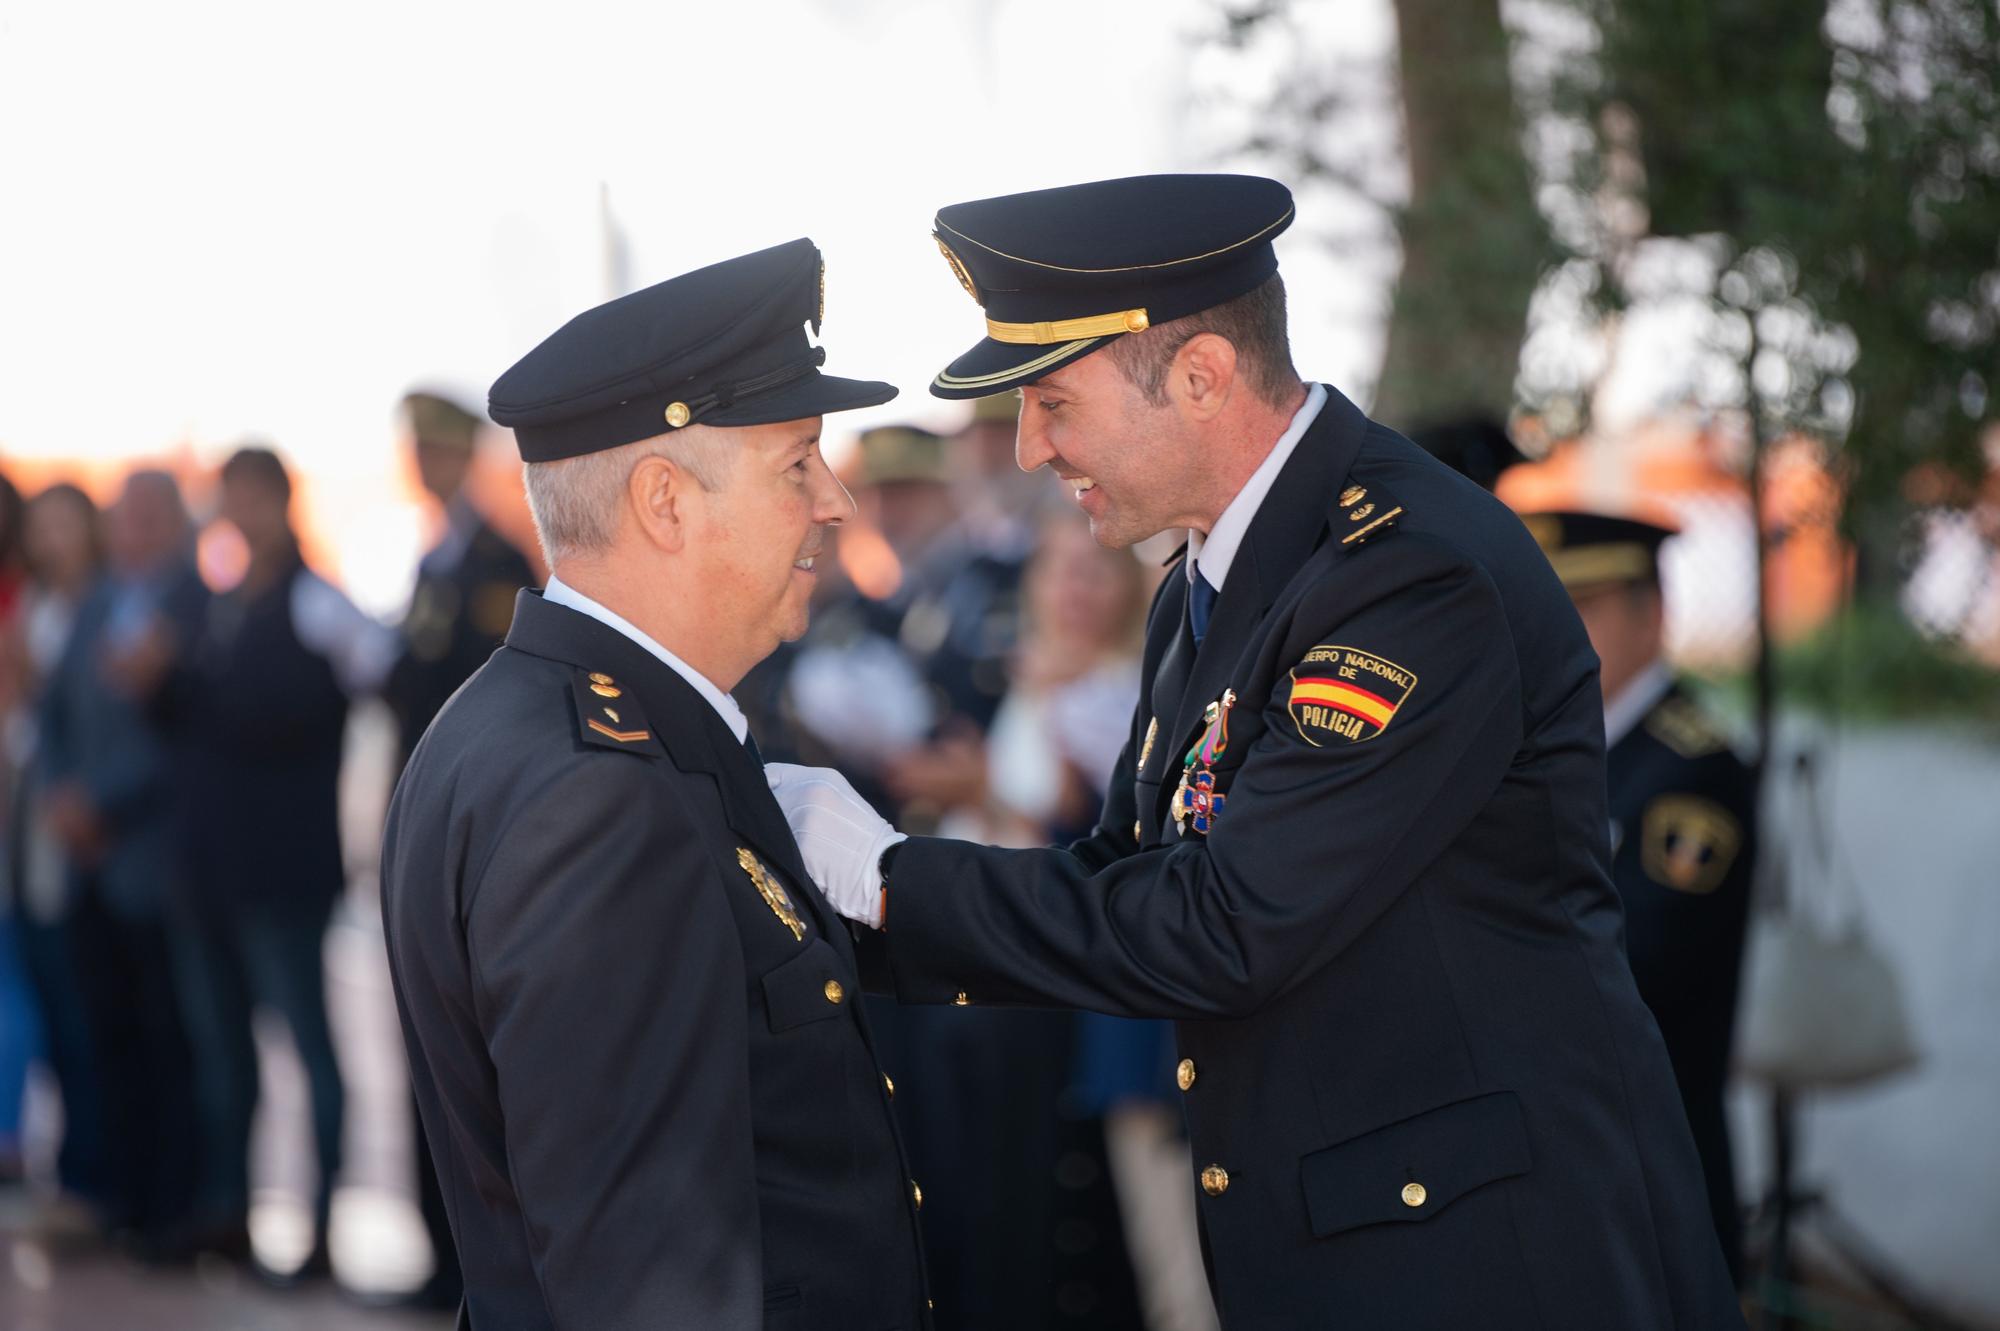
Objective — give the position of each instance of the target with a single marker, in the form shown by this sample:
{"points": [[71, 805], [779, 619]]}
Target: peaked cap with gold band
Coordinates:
{"points": [[1060, 272], [1593, 548], [723, 345]]}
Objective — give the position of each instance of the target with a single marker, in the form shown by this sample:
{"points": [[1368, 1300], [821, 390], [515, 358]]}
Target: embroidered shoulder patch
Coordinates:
{"points": [[1346, 694], [1688, 843]]}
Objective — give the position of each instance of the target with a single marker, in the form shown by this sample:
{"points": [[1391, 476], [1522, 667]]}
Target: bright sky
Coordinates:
{"points": [[227, 219]]}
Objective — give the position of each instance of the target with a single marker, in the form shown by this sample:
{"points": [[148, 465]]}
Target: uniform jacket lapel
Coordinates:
{"points": [[1287, 528], [695, 738]]}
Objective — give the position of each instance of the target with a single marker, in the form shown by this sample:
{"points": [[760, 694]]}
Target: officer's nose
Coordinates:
{"points": [[832, 505], [1031, 441]]}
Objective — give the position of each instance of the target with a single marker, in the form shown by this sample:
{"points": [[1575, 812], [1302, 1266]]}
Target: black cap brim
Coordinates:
{"points": [[992, 367], [814, 394]]}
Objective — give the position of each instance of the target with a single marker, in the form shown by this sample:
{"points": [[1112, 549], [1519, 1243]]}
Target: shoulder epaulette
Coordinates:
{"points": [[1362, 513], [1681, 725], [608, 717]]}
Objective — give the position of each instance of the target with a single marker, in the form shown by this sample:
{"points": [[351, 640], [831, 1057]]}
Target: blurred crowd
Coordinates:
{"points": [[172, 853]]}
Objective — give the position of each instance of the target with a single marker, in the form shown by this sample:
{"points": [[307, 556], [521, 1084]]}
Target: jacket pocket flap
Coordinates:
{"points": [[802, 989], [1409, 1171]]}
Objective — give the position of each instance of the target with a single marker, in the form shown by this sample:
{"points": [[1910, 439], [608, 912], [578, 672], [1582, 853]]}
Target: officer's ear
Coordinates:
{"points": [[1203, 376], [657, 493]]}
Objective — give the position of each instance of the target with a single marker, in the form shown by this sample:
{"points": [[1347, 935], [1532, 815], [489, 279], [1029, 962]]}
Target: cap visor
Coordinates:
{"points": [[815, 395], [994, 367]]}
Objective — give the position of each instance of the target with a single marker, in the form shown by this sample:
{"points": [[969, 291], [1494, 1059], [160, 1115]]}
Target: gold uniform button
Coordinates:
{"points": [[1215, 1180], [834, 993], [599, 677], [606, 691], [916, 1194], [961, 1000], [1414, 1194], [1184, 1074], [1138, 830], [889, 1086], [677, 414]]}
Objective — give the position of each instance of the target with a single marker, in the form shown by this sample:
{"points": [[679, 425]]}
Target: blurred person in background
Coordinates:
{"points": [[18, 1033], [1476, 447], [850, 691], [64, 554], [108, 780], [458, 615], [1683, 825], [265, 686]]}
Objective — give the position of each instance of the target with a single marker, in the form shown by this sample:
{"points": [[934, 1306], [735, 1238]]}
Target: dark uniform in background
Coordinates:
{"points": [[1356, 846], [459, 612], [631, 1017], [1683, 849]]}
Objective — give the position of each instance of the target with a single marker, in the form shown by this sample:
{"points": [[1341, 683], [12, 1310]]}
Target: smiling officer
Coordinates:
{"points": [[1356, 845], [632, 1021]]}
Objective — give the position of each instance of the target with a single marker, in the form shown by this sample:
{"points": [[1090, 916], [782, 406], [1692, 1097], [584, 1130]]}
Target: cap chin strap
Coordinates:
{"points": [[1047, 333], [728, 395]]}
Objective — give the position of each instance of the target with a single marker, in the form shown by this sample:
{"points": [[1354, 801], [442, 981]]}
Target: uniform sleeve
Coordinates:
{"points": [[611, 992], [1323, 828]]}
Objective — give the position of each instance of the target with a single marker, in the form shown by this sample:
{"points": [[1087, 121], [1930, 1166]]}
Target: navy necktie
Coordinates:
{"points": [[1201, 604]]}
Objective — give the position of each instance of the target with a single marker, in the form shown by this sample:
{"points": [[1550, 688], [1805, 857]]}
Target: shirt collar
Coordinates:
{"points": [[1216, 550], [1634, 701], [561, 593]]}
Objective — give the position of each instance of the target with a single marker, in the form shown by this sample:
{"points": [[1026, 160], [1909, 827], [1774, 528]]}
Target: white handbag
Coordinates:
{"points": [[1821, 1005]]}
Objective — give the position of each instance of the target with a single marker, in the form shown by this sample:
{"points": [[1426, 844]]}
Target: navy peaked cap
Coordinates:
{"points": [[723, 345], [1061, 272], [1589, 549]]}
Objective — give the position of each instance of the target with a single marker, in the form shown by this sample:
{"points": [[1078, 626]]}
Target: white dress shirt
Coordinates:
{"points": [[725, 706], [1634, 701], [1215, 551]]}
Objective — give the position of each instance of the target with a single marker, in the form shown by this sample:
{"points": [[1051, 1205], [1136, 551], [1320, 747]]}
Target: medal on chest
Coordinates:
{"points": [[1196, 803]]}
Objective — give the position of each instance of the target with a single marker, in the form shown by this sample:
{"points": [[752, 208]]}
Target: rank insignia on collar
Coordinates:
{"points": [[1346, 694], [1196, 803], [773, 892]]}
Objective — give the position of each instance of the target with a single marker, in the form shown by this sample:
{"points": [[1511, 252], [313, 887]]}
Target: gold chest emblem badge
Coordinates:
{"points": [[773, 892]]}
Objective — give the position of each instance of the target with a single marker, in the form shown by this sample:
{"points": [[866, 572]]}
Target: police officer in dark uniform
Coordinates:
{"points": [[464, 597], [1356, 845], [1683, 824], [632, 1020], [459, 612]]}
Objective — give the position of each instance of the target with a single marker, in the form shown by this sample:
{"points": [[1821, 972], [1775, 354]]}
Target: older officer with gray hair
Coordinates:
{"points": [[632, 1022]]}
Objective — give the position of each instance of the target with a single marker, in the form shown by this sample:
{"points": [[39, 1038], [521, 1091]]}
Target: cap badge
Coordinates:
{"points": [[677, 414], [958, 269]]}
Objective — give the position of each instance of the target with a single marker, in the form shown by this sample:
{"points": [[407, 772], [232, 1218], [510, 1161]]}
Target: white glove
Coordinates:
{"points": [[841, 839]]}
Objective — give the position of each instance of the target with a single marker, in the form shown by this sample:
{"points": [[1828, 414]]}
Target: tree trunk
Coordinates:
{"points": [[1473, 244]]}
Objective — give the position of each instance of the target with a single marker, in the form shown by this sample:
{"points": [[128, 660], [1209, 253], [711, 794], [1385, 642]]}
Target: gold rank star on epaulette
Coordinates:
{"points": [[1364, 513], [1682, 726], [609, 717]]}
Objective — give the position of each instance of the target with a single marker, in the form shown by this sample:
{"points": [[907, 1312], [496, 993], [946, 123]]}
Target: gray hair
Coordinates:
{"points": [[575, 500]]}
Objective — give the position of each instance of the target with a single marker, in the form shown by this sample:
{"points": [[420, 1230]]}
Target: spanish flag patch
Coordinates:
{"points": [[1343, 693]]}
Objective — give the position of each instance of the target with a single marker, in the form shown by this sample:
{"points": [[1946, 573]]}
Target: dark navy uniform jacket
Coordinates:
{"points": [[633, 1023], [1421, 1087], [1683, 833], [459, 612]]}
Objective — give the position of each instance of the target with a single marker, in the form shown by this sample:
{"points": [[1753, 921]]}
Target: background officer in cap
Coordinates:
{"points": [[459, 612], [1683, 824], [631, 1018], [1356, 844]]}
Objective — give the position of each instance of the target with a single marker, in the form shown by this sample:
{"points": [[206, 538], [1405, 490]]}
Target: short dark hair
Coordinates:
{"points": [[1253, 323], [260, 466]]}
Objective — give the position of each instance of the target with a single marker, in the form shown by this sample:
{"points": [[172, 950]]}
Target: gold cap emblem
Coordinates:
{"points": [[958, 269], [677, 414]]}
